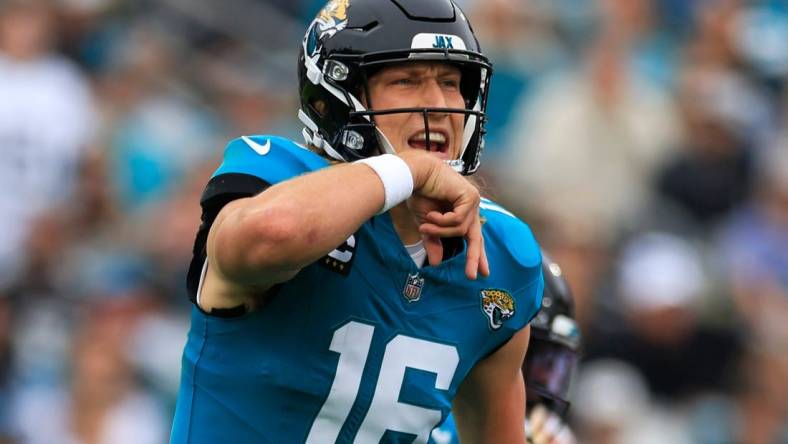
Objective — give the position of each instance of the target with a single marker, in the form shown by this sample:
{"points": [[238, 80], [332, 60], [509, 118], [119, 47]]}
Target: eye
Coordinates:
{"points": [[450, 83], [403, 81]]}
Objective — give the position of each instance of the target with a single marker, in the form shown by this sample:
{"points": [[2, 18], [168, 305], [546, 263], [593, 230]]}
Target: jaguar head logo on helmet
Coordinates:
{"points": [[330, 20]]}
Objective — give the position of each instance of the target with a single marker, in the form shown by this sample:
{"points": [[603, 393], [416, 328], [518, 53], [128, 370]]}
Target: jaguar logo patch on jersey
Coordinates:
{"points": [[498, 306]]}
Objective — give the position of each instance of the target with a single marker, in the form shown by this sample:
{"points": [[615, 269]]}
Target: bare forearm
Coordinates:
{"points": [[296, 222], [499, 420], [490, 404]]}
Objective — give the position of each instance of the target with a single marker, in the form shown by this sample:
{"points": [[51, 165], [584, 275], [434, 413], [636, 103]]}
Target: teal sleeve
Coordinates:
{"points": [[270, 158]]}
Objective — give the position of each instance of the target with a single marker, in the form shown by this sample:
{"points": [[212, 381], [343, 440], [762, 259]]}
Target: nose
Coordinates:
{"points": [[433, 96]]}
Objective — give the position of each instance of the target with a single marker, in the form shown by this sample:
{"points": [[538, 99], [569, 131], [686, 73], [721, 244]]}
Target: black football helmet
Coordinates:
{"points": [[349, 40], [553, 353]]}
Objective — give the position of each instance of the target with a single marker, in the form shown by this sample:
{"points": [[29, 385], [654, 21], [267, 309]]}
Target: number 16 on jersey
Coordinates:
{"points": [[352, 341]]}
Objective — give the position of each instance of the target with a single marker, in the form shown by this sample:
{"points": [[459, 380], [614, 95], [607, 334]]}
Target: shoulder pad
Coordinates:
{"points": [[509, 234], [270, 158]]}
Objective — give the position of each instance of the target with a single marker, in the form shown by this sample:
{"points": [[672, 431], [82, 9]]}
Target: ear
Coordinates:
{"points": [[364, 86], [362, 96]]}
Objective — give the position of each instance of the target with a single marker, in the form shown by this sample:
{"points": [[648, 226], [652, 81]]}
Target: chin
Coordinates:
{"points": [[441, 155]]}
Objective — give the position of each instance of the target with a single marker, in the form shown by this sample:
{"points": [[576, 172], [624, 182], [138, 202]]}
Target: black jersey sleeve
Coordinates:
{"points": [[220, 190]]}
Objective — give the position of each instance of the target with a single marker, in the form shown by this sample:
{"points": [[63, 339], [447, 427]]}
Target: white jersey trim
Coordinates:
{"points": [[489, 205], [202, 279]]}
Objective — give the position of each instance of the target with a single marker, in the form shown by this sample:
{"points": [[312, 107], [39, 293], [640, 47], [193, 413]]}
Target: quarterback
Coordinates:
{"points": [[357, 288]]}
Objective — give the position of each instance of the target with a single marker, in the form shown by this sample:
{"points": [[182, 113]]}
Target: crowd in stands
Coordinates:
{"points": [[645, 141]]}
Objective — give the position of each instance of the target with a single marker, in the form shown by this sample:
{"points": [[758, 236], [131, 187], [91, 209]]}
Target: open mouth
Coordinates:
{"points": [[439, 141]]}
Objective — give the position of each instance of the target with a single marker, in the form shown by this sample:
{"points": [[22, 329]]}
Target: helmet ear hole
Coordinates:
{"points": [[319, 106]]}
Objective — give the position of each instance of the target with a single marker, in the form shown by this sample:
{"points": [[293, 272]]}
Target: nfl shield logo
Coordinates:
{"points": [[413, 286]]}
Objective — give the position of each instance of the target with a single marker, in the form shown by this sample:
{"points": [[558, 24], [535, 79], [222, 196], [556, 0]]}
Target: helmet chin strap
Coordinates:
{"points": [[312, 137], [467, 135]]}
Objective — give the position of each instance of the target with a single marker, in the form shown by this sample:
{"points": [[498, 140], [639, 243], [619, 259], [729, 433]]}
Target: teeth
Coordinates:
{"points": [[434, 137]]}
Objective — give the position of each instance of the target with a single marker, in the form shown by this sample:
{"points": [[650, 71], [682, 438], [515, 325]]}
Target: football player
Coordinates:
{"points": [[549, 366], [551, 361], [347, 290]]}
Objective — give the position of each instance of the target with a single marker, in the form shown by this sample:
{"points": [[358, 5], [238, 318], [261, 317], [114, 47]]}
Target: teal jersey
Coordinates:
{"points": [[360, 346]]}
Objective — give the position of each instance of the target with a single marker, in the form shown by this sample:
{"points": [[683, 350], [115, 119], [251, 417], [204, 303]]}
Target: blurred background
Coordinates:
{"points": [[646, 142]]}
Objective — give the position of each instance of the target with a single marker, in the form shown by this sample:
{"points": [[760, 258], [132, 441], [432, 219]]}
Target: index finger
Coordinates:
{"points": [[475, 250], [484, 265]]}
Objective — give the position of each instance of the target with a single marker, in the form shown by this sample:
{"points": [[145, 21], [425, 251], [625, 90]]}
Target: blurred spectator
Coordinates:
{"points": [[756, 413], [46, 120], [712, 173], [521, 41], [85, 30], [605, 133], [612, 405], [248, 94], [651, 49], [586, 148], [713, 40], [170, 246], [159, 130], [761, 37], [102, 402], [761, 399], [586, 260], [80, 247], [661, 285], [754, 248]]}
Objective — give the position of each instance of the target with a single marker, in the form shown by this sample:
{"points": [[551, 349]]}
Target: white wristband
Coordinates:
{"points": [[396, 177]]}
